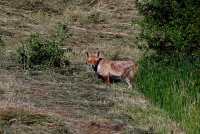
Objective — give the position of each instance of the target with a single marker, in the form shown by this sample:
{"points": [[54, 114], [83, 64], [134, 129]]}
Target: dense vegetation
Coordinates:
{"points": [[171, 77], [171, 24]]}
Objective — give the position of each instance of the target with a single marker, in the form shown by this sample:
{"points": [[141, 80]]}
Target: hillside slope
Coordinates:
{"points": [[73, 95]]}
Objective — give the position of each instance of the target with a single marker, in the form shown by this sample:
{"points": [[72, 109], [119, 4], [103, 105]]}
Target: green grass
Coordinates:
{"points": [[173, 83]]}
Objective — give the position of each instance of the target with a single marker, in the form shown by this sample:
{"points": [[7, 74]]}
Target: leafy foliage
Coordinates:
{"points": [[171, 24]]}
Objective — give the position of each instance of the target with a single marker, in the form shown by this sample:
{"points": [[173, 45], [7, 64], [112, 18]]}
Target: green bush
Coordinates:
{"points": [[173, 83], [39, 51], [171, 24]]}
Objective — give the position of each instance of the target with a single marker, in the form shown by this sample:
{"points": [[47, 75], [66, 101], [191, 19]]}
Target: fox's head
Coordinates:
{"points": [[92, 58]]}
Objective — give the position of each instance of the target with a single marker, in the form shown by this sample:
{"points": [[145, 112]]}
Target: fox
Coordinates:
{"points": [[110, 70]]}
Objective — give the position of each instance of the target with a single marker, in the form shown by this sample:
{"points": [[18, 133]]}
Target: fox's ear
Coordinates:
{"points": [[98, 54], [87, 54]]}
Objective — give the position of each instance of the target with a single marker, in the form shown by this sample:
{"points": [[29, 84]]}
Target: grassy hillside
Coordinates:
{"points": [[71, 99]]}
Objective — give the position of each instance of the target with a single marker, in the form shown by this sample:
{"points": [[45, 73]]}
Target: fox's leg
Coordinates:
{"points": [[128, 77], [128, 81], [108, 79]]}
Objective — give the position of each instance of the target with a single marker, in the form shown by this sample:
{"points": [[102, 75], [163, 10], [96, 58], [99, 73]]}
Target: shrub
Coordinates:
{"points": [[39, 51], [171, 24]]}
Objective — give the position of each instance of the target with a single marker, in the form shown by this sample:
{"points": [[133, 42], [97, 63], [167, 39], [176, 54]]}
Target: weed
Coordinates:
{"points": [[93, 17], [2, 43], [63, 33], [96, 17]]}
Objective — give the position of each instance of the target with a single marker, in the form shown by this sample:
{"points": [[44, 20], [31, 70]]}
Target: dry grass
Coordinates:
{"points": [[22, 119]]}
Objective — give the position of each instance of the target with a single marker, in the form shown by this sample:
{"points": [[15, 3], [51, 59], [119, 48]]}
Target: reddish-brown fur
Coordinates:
{"points": [[121, 69]]}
